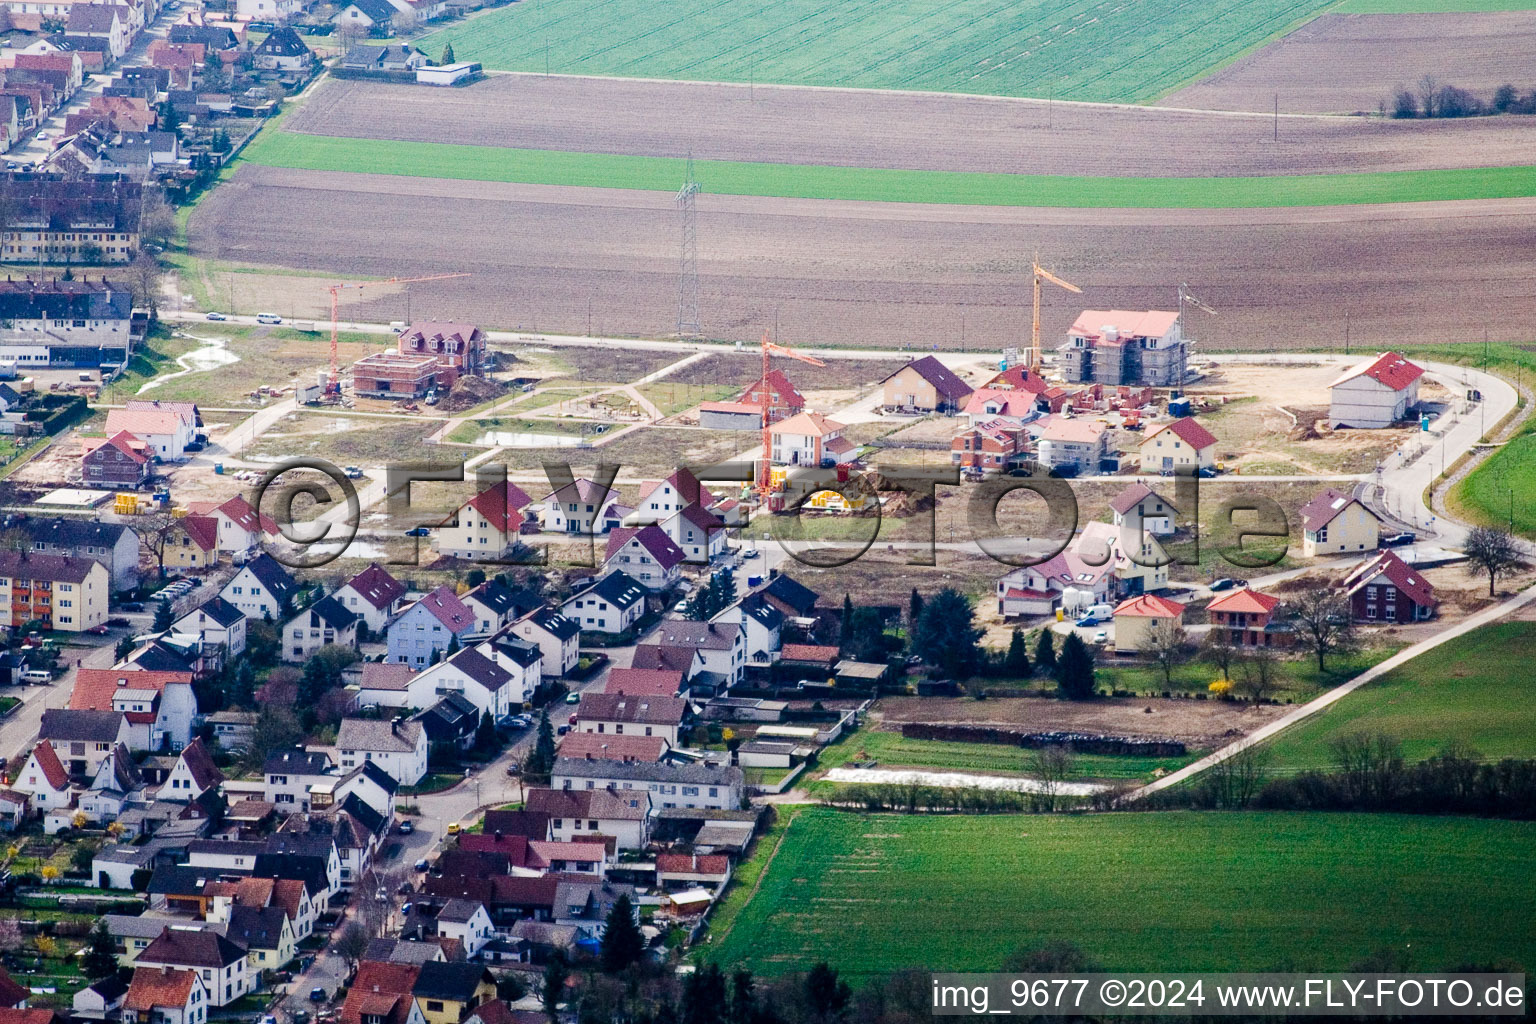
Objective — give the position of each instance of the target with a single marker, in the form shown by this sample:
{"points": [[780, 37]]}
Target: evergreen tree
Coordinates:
{"points": [[946, 635], [556, 973], [163, 616], [447, 57], [543, 757], [743, 995], [124, 648], [704, 996], [242, 685], [847, 624], [1074, 669], [1016, 663], [485, 733], [623, 945], [826, 995], [474, 577], [914, 608], [1045, 653], [100, 960], [453, 645]]}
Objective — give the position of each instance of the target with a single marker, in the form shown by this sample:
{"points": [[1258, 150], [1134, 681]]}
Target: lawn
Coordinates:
{"points": [[1071, 49], [1498, 491], [1139, 891], [471, 431], [808, 181], [673, 397], [893, 750], [1462, 691]]}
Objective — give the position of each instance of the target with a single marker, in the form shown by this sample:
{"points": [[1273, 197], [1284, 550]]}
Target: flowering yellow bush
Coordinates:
{"points": [[1221, 687]]}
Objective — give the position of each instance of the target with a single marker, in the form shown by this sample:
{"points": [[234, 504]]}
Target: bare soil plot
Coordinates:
{"points": [[1197, 723], [1350, 62], [886, 275], [950, 133], [742, 369]]}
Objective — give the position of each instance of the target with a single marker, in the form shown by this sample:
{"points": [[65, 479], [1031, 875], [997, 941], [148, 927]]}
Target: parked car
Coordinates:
{"points": [[268, 318], [217, 316], [132, 606], [514, 769], [353, 473], [421, 865], [1223, 584], [407, 828], [1406, 537], [1101, 637], [562, 730], [420, 531], [749, 553], [454, 828], [317, 995], [573, 698], [98, 630]]}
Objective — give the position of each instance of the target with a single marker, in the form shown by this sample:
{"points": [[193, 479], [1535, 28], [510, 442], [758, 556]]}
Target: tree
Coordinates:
{"points": [[1429, 92], [1504, 98], [1074, 669], [1492, 551], [1258, 672], [1167, 645], [155, 530], [277, 728], [163, 615], [157, 221], [353, 943], [169, 119], [100, 959], [82, 856], [485, 734], [145, 274], [51, 873], [1016, 661], [744, 995], [1235, 781], [1045, 653], [1404, 104], [123, 649], [474, 577], [1323, 623], [556, 973], [946, 635], [826, 995], [1218, 649], [866, 636], [447, 57], [914, 608], [46, 945], [704, 996], [1051, 766], [542, 759], [847, 623], [622, 945], [322, 673]]}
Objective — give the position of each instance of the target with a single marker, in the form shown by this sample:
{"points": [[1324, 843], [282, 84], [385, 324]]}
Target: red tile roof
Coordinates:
{"points": [[1244, 601], [1402, 575], [1018, 378], [809, 652], [698, 864], [12, 993], [53, 769], [1189, 431], [204, 531], [607, 747], [1007, 403], [96, 687], [778, 384], [1322, 510], [143, 422], [376, 990], [159, 987], [1132, 495], [1389, 368], [1149, 606], [200, 763], [502, 506], [136, 449], [644, 682], [685, 484]]}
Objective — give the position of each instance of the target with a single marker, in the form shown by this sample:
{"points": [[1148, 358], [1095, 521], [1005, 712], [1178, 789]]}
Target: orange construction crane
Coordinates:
{"points": [[765, 403], [1041, 274], [333, 382]]}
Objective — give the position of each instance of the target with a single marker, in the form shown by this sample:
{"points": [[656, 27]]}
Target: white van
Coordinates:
{"points": [[268, 318], [37, 677]]}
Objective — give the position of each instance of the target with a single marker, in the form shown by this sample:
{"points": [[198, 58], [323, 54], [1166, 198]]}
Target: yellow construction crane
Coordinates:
{"points": [[765, 403], [333, 379], [1034, 338]]}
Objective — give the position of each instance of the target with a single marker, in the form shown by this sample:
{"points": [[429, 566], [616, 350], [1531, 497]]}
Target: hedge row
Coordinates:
{"points": [[1082, 743]]}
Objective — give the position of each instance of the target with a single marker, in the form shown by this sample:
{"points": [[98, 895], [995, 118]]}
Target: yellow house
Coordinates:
{"points": [[1182, 444], [446, 992], [192, 543], [924, 385], [1135, 617], [266, 934], [488, 526], [1335, 523]]}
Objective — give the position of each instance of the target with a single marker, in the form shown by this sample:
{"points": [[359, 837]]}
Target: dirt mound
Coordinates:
{"points": [[470, 392]]}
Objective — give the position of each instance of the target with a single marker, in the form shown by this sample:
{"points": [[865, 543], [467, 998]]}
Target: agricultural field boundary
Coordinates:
{"points": [[803, 181]]}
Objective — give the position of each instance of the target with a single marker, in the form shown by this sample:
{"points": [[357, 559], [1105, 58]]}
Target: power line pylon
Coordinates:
{"points": [[688, 261]]}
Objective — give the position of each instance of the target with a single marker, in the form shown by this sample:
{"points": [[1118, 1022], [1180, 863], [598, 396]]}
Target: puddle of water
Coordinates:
{"points": [[511, 439], [213, 354]]}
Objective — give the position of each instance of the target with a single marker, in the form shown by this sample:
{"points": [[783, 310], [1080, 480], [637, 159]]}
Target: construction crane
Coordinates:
{"points": [[1185, 298], [765, 403], [333, 381], [1041, 274]]}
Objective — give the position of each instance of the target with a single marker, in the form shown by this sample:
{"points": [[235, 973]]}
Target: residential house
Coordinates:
{"points": [[704, 784], [496, 605], [810, 439], [613, 603], [194, 774], [1248, 617], [558, 637], [581, 814], [1118, 346], [398, 746], [386, 684], [1183, 445], [1069, 446], [1137, 617], [679, 871], [262, 589], [642, 682], [101, 1000], [660, 500], [1387, 589], [784, 399], [68, 595], [373, 595], [451, 722], [166, 431], [1335, 523], [241, 527], [101, 21], [265, 933], [160, 707], [790, 596], [425, 630], [609, 747], [323, 623], [218, 962], [698, 533], [1137, 562], [81, 739], [991, 446], [447, 992], [497, 676], [378, 58], [51, 220], [620, 713], [381, 994], [466, 922], [282, 50], [586, 906], [1139, 508], [276, 11], [114, 545], [217, 624], [713, 655], [374, 17], [487, 527], [762, 625], [117, 782], [119, 462], [645, 554], [1065, 578], [291, 774], [192, 544], [165, 995], [458, 348], [1376, 393], [988, 403], [232, 730], [583, 507], [43, 779], [924, 385]]}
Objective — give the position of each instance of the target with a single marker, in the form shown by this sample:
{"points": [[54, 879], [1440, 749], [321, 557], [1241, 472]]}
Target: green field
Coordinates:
{"points": [[1139, 891], [1073, 49], [1498, 491], [808, 181], [893, 750], [1463, 691]]}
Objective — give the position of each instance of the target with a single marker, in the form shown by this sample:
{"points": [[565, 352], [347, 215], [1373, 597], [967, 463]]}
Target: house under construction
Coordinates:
{"points": [[1119, 346]]}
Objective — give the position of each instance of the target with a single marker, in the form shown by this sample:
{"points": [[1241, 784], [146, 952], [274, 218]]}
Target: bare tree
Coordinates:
{"points": [[1051, 767], [352, 944], [145, 274], [1429, 95], [1322, 620], [155, 530], [1218, 649], [157, 221], [1258, 671], [1167, 645], [1371, 764], [10, 934], [1492, 551], [1238, 778]]}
